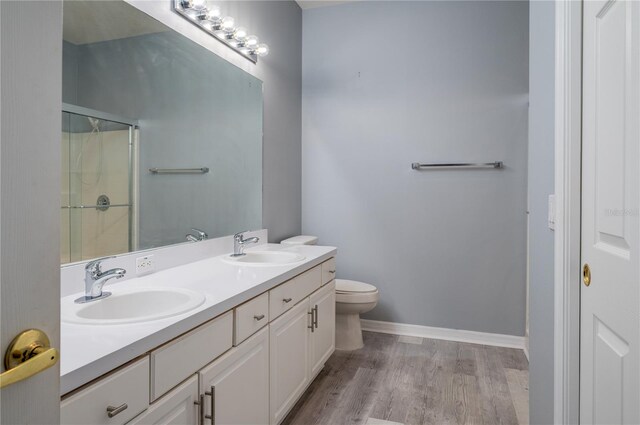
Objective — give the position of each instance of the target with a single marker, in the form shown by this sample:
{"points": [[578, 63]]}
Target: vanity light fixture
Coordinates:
{"points": [[209, 18]]}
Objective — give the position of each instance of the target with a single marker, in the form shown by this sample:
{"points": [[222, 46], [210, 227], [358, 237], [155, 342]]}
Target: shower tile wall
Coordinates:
{"points": [[90, 233]]}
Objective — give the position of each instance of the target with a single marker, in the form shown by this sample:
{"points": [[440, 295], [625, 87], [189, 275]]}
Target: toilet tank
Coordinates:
{"points": [[301, 240]]}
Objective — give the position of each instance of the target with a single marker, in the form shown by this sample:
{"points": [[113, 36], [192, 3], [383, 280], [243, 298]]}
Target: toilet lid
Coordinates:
{"points": [[343, 286]]}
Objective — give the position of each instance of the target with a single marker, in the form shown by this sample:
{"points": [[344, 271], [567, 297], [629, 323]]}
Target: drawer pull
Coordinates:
{"points": [[332, 271], [112, 411], [260, 317], [286, 300]]}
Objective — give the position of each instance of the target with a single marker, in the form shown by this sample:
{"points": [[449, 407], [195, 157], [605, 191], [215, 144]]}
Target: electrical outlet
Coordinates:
{"points": [[145, 265]]}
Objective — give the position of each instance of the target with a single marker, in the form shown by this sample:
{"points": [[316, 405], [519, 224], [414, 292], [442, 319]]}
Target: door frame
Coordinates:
{"points": [[568, 144]]}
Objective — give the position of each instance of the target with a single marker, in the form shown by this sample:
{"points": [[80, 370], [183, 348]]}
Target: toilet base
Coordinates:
{"points": [[348, 332]]}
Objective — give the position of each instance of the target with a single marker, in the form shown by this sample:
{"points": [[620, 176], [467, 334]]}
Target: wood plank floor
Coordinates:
{"points": [[406, 380]]}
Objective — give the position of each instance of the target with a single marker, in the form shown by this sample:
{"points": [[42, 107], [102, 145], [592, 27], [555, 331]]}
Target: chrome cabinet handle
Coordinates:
{"points": [[212, 416], [201, 408], [112, 411], [312, 321], [260, 317], [315, 320], [286, 300]]}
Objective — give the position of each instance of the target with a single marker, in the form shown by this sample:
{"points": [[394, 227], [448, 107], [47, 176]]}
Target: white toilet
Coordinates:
{"points": [[352, 299]]}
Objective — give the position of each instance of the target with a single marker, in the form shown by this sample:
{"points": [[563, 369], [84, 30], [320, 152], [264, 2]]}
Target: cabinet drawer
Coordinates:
{"points": [[126, 387], [250, 317], [175, 361], [328, 270], [285, 296]]}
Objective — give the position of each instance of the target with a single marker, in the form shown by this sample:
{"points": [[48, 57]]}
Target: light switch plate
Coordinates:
{"points": [[551, 218], [145, 265]]}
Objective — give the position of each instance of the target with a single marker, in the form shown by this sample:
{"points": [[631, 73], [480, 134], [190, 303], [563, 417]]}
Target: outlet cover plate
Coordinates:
{"points": [[145, 265]]}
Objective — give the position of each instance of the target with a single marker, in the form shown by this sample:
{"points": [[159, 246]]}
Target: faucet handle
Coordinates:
{"points": [[201, 233], [240, 235], [94, 265]]}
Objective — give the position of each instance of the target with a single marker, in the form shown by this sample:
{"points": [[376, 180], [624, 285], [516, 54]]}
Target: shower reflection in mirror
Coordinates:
{"points": [[97, 196]]}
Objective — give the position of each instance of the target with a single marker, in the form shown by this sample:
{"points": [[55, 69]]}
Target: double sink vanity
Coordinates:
{"points": [[181, 332], [219, 340]]}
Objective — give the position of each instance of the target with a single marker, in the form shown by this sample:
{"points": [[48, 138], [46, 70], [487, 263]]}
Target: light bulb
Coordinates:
{"points": [[262, 50], [227, 23], [198, 4], [240, 34], [251, 41], [214, 14], [220, 34]]}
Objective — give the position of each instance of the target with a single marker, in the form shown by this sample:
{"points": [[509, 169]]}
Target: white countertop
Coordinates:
{"points": [[89, 351]]}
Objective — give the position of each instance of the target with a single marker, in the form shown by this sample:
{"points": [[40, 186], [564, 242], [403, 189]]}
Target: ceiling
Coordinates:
{"points": [[94, 21], [310, 4]]}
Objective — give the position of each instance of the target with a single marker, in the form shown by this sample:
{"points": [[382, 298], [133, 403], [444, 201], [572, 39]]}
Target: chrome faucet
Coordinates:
{"points": [[201, 236], [239, 243], [95, 278]]}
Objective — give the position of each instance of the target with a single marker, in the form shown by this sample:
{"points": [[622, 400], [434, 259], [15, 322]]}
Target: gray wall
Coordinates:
{"points": [[541, 185], [194, 109], [69, 72], [449, 82]]}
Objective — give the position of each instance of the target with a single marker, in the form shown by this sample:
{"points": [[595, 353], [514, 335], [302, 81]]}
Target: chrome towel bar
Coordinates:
{"points": [[202, 170], [71, 207], [445, 165]]}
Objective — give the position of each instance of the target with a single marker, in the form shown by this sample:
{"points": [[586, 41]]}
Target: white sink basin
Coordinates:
{"points": [[265, 258], [132, 306]]}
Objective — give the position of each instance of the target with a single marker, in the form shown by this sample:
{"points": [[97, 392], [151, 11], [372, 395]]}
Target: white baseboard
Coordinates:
{"points": [[458, 335]]}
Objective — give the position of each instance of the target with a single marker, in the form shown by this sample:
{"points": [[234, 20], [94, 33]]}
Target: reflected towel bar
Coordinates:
{"points": [[202, 170], [81, 207], [444, 165]]}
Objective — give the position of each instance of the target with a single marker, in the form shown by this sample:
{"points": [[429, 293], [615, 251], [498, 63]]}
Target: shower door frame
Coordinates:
{"points": [[133, 126]]}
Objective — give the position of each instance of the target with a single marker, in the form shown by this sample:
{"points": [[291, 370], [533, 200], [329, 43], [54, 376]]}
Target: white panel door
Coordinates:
{"points": [[289, 347], [323, 337], [176, 408], [610, 305], [30, 129], [238, 383]]}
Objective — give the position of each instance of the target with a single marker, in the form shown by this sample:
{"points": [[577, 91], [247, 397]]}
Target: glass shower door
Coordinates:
{"points": [[96, 192]]}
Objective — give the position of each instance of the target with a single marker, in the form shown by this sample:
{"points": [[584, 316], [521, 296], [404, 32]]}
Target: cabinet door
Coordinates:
{"points": [[176, 408], [238, 384], [289, 346], [323, 338]]}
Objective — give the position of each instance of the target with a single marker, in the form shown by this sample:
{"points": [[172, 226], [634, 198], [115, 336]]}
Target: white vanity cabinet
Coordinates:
{"points": [[175, 408], [323, 339], [247, 366], [236, 386], [301, 341], [289, 348]]}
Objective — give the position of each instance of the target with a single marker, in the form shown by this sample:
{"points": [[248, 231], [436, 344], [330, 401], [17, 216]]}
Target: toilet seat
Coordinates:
{"points": [[354, 292]]}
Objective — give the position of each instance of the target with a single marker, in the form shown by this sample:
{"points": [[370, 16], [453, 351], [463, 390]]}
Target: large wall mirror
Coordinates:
{"points": [[159, 136]]}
